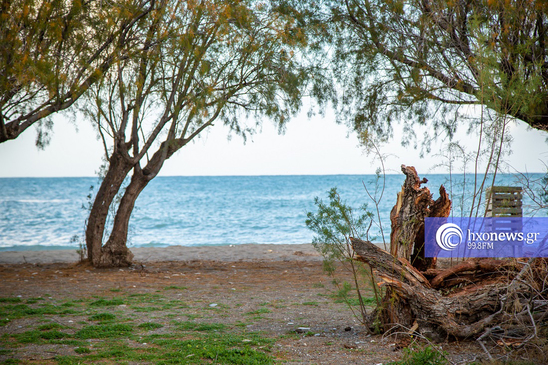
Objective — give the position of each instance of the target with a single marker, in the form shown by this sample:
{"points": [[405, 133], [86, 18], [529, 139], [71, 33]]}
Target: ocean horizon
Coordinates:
{"points": [[44, 213]]}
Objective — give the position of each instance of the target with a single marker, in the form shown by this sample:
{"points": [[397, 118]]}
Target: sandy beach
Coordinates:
{"points": [[229, 253]]}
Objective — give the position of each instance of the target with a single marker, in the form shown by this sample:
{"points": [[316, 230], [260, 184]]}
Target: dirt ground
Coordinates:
{"points": [[298, 294]]}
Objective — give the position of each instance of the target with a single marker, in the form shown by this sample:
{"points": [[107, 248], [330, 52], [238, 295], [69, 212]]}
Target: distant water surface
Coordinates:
{"points": [[45, 213]]}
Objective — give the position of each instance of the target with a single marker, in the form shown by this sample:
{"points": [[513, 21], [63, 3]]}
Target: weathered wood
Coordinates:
{"points": [[461, 315], [407, 216], [504, 201], [487, 265], [438, 209], [414, 204]]}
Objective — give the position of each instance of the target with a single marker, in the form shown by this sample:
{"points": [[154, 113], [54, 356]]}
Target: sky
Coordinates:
{"points": [[310, 146]]}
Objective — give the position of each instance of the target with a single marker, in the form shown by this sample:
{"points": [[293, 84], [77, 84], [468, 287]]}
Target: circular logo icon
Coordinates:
{"points": [[449, 236]]}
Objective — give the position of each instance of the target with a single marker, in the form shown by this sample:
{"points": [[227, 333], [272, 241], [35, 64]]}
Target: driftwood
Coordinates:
{"points": [[462, 315], [462, 301]]}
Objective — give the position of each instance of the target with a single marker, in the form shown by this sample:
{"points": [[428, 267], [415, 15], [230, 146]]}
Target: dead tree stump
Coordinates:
{"points": [[460, 301]]}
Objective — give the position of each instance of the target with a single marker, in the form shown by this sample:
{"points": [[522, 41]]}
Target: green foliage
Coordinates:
{"points": [[334, 224], [10, 300], [420, 64], [422, 356], [52, 51]]}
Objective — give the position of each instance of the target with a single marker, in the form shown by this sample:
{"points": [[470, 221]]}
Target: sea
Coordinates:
{"points": [[51, 213]]}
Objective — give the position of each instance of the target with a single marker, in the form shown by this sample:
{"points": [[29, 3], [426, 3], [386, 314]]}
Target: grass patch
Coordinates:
{"points": [[37, 336], [259, 311], [10, 300], [106, 302], [187, 343], [146, 309], [312, 303], [175, 287], [50, 326], [11, 361], [102, 317], [23, 310], [82, 350], [104, 331], [150, 326], [418, 356], [202, 327]]}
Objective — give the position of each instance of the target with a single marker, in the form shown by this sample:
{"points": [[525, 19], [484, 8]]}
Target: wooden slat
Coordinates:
{"points": [[504, 201], [497, 189]]}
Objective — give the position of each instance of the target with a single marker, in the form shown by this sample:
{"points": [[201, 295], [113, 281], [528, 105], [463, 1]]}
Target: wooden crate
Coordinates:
{"points": [[504, 201], [504, 204]]}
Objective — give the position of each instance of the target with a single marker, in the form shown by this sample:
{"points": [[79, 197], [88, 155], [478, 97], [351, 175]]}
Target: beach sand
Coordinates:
{"points": [[229, 253]]}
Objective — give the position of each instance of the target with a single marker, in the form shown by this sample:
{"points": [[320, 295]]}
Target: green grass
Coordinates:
{"points": [[422, 356], [99, 335], [102, 331], [23, 310], [10, 300], [150, 326], [259, 311], [201, 327], [102, 317], [37, 336], [146, 309], [106, 302], [50, 326], [175, 287]]}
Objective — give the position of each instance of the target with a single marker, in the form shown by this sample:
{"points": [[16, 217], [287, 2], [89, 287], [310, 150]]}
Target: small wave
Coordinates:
{"points": [[41, 201]]}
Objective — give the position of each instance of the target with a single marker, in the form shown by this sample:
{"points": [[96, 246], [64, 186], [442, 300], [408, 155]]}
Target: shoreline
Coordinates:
{"points": [[230, 253]]}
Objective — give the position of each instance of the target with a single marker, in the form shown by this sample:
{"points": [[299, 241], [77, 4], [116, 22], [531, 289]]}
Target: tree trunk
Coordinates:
{"points": [[115, 252], [117, 172], [414, 204]]}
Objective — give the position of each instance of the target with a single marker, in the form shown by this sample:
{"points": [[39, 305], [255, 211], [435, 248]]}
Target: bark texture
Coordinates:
{"points": [[115, 252], [462, 315], [111, 184]]}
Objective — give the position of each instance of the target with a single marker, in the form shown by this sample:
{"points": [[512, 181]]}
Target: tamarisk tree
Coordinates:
{"points": [[52, 51], [195, 63], [408, 60]]}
